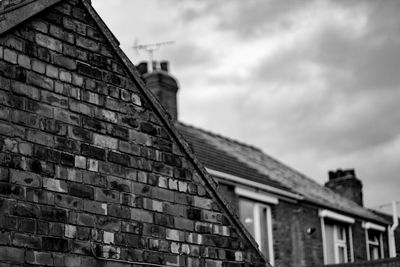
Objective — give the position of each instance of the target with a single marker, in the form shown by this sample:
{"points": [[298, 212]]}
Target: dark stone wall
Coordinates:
{"points": [[86, 169]]}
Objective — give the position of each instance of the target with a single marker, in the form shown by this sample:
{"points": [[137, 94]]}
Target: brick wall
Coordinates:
{"points": [[87, 169]]}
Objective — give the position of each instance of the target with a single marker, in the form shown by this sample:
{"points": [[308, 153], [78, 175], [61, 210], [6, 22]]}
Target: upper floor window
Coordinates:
{"points": [[255, 215], [337, 237], [374, 237]]}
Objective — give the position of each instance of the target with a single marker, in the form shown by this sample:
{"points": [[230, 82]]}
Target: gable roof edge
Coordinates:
{"points": [[167, 122]]}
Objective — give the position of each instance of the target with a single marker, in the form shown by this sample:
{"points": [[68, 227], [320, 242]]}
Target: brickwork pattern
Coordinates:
{"points": [[86, 169]]}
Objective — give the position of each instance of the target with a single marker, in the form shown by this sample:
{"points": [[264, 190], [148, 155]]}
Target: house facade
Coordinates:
{"points": [[294, 220], [92, 171]]}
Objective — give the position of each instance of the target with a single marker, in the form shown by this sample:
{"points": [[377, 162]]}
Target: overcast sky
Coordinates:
{"points": [[315, 84]]}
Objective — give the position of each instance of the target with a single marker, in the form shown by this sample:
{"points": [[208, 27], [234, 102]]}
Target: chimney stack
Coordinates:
{"points": [[163, 86], [345, 183]]}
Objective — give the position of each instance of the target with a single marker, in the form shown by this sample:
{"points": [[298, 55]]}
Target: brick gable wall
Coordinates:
{"points": [[87, 170]]}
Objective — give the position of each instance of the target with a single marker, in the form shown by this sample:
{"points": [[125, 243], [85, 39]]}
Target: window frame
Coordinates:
{"points": [[339, 220], [377, 228], [260, 201]]}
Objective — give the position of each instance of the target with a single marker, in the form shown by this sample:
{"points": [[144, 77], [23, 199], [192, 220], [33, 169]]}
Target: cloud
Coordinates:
{"points": [[314, 83]]}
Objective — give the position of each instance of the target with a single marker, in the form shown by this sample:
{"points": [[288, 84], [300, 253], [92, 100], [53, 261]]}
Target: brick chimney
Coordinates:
{"points": [[162, 85], [345, 183]]}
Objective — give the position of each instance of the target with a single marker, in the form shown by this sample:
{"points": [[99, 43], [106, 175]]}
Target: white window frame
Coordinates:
{"points": [[340, 218], [258, 198], [338, 243], [372, 226]]}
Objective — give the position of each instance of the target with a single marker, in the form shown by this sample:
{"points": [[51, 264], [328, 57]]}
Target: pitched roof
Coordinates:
{"points": [[14, 12], [235, 158]]}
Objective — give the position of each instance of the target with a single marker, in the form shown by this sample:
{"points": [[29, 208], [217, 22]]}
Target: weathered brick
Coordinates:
{"points": [[55, 185], [25, 178], [55, 244], [106, 115], [93, 165], [93, 98], [66, 116], [74, 25], [44, 54], [5, 238], [119, 158], [87, 70], [105, 141], [80, 107], [38, 66], [106, 195], [39, 258], [25, 240], [66, 201], [53, 214], [95, 207], [80, 162], [118, 131], [40, 26], [10, 56], [79, 134], [85, 219], [93, 152], [12, 254], [69, 173], [24, 61], [87, 44], [184, 224], [81, 190], [59, 33], [67, 145], [25, 90], [54, 99], [39, 108], [53, 126], [141, 215], [40, 196], [65, 76], [40, 81], [52, 71], [67, 159], [48, 42], [163, 194], [96, 86], [114, 79], [25, 210], [70, 231]]}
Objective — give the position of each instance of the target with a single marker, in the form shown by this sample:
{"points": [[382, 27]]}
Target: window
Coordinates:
{"points": [[337, 237], [255, 215], [374, 237]]}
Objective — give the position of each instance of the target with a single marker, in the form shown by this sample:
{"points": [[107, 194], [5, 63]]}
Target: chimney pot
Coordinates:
{"points": [[164, 65], [331, 175], [142, 68], [154, 65]]}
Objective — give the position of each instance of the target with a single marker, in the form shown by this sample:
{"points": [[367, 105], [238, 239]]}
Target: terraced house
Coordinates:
{"points": [[95, 172], [294, 220], [92, 172]]}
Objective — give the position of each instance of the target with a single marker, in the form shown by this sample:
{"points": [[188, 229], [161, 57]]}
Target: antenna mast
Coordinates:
{"points": [[150, 48]]}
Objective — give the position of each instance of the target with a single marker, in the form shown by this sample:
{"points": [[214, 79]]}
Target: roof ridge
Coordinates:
{"points": [[221, 136]]}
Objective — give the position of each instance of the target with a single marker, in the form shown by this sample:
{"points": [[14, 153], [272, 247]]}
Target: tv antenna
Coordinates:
{"points": [[150, 49]]}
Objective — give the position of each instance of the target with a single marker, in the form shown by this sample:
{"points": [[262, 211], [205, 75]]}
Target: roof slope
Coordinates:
{"points": [[232, 157]]}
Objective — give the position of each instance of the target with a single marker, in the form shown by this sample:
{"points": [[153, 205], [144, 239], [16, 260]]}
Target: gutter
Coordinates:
{"points": [[392, 241], [254, 184]]}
